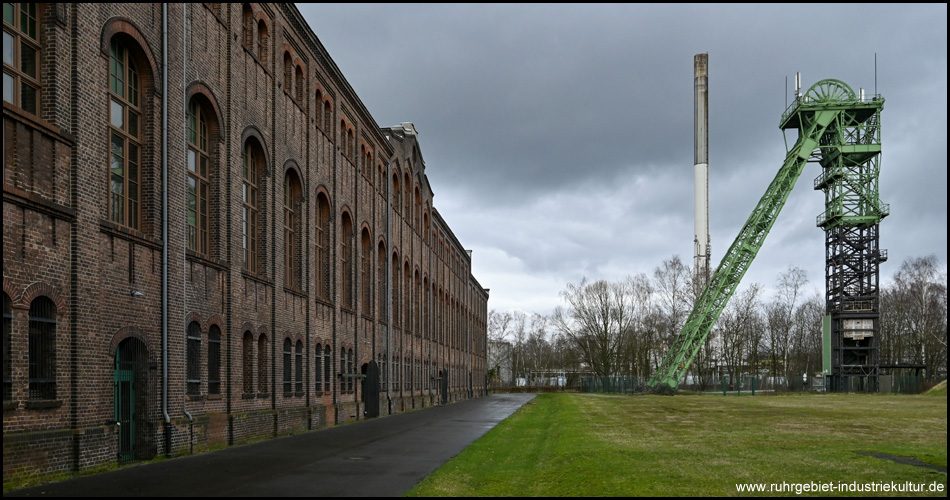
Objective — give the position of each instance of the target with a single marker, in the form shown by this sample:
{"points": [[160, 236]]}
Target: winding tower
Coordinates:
{"points": [[840, 131]]}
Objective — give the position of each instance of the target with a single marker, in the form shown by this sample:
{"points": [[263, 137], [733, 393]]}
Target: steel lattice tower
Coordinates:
{"points": [[850, 161]]}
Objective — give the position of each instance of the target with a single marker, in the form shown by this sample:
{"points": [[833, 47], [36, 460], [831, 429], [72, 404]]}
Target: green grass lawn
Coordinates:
{"points": [[700, 445]]}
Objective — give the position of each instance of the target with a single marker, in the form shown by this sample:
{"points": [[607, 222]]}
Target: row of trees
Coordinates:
{"points": [[624, 328]]}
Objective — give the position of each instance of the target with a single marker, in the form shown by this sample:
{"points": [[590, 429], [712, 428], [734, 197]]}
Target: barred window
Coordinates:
{"points": [[287, 368], [7, 359], [214, 360], [42, 349], [298, 368], [21, 56], [194, 358], [247, 359], [125, 137]]}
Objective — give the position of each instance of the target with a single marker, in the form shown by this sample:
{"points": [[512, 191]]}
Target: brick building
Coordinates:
{"points": [[207, 240]]}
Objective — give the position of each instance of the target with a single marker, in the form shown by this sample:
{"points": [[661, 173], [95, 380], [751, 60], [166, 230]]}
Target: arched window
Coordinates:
{"points": [[248, 25], [21, 56], [253, 160], [287, 367], [349, 370], [366, 272], [394, 272], [298, 367], [288, 74], [407, 199], [318, 368], [298, 85], [328, 118], [346, 262], [125, 137], [407, 298], [322, 228], [262, 364], [193, 353], [343, 369], [196, 182], [326, 368], [214, 360], [292, 211], [261, 42], [7, 357], [381, 289], [247, 361], [42, 349]]}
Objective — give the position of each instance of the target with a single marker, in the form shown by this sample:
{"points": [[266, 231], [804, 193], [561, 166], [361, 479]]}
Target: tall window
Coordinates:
{"points": [[291, 231], [247, 362], [366, 272], [262, 42], [323, 247], [42, 349], [262, 364], [125, 118], [214, 360], [194, 358], [298, 367], [326, 368], [346, 261], [196, 183], [288, 74], [343, 369], [318, 368], [7, 359], [21, 56], [248, 26], [249, 204], [287, 367], [298, 84], [349, 369], [381, 283]]}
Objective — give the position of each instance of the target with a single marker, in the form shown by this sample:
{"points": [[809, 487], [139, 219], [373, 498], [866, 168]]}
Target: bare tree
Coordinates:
{"points": [[919, 302], [740, 328], [598, 319], [780, 314]]}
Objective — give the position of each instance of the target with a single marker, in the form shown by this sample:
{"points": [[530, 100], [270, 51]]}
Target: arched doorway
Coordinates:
{"points": [[131, 399]]}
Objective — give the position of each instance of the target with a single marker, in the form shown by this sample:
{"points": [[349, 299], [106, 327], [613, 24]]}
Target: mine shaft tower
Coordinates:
{"points": [[850, 167], [840, 131]]}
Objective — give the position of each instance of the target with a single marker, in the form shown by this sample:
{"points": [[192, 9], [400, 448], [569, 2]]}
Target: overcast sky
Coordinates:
{"points": [[558, 139]]}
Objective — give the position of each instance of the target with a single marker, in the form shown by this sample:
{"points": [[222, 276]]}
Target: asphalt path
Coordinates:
{"points": [[380, 457]]}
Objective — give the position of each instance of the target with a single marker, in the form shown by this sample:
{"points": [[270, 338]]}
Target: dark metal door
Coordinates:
{"points": [[445, 386], [371, 391], [125, 400]]}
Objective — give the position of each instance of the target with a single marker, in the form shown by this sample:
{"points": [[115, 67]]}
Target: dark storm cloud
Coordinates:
{"points": [[559, 138]]}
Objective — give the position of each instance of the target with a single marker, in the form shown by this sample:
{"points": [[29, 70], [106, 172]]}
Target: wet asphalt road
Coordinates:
{"points": [[378, 457]]}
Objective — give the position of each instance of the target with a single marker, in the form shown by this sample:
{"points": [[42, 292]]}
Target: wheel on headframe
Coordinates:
{"points": [[830, 90]]}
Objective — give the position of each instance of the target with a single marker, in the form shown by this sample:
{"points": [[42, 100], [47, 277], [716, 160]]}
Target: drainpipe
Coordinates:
{"points": [[389, 289], [165, 228]]}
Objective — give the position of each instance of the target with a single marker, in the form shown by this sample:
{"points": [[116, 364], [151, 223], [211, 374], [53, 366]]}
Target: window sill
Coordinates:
{"points": [[262, 395], [194, 397], [249, 395], [213, 397], [43, 404], [9, 406]]}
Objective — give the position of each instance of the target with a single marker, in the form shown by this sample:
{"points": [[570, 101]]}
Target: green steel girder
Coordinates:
{"points": [[829, 117]]}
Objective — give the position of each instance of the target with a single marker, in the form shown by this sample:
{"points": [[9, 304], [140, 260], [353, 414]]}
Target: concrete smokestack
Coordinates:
{"points": [[701, 167]]}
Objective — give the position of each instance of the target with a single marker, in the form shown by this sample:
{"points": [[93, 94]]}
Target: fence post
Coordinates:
{"points": [[753, 386]]}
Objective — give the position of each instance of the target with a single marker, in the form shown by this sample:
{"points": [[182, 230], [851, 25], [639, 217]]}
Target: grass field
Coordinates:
{"points": [[701, 445]]}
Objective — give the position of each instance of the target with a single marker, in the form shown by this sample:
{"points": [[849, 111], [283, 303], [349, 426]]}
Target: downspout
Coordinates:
{"points": [[389, 289], [165, 416]]}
